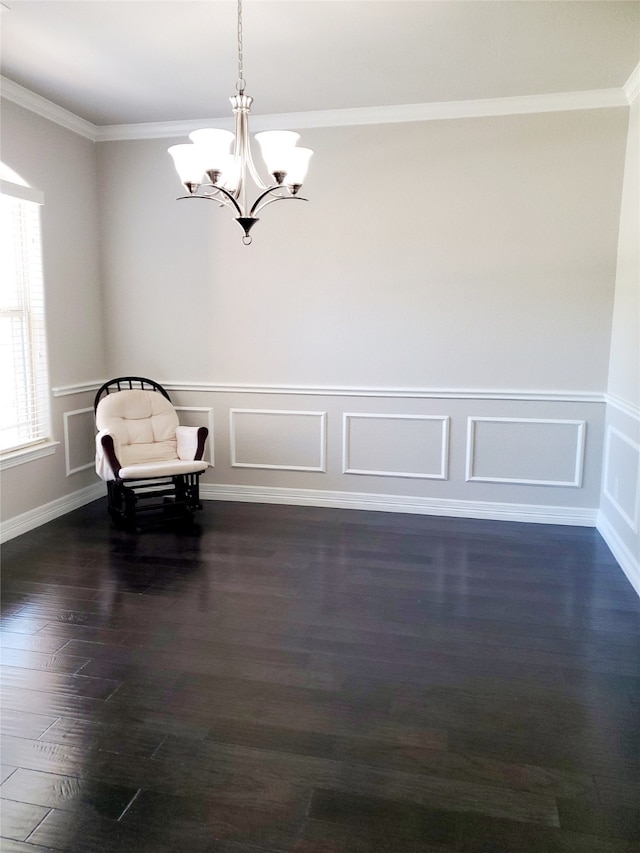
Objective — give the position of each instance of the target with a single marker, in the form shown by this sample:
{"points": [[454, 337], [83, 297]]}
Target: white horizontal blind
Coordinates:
{"points": [[24, 414]]}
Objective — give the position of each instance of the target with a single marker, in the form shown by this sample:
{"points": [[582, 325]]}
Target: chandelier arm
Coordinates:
{"points": [[219, 200], [257, 207], [223, 201], [211, 197]]}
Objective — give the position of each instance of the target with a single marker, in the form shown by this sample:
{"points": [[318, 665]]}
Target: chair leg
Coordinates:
{"points": [[115, 500], [188, 491], [130, 501]]}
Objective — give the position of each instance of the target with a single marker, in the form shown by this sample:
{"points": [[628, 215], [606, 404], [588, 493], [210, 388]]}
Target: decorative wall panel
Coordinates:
{"points": [[525, 451], [396, 445], [200, 416], [278, 438], [79, 440], [621, 478]]}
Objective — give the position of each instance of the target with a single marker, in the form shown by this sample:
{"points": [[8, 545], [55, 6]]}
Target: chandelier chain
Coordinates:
{"points": [[241, 81]]}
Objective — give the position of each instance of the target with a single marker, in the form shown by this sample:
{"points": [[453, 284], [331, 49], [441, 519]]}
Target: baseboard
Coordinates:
{"points": [[576, 516], [27, 521], [628, 562]]}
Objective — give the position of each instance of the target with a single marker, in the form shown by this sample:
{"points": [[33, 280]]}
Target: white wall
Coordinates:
{"points": [[62, 165], [619, 520]]}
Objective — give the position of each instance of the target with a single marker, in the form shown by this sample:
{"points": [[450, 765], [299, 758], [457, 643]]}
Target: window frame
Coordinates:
{"points": [[44, 445]]}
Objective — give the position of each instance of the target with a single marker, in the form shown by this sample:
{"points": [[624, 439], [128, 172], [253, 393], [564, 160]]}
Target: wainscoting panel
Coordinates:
{"points": [[525, 451], [428, 450], [618, 521], [482, 453], [415, 446], [200, 416], [621, 479], [79, 440], [278, 439]]}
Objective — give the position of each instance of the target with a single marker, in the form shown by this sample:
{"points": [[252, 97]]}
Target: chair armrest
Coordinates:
{"points": [[190, 442], [107, 462]]}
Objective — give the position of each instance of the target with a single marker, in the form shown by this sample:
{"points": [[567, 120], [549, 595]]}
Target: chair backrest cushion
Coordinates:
{"points": [[144, 424]]}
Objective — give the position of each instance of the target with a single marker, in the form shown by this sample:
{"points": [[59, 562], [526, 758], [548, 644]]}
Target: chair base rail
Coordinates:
{"points": [[134, 504]]}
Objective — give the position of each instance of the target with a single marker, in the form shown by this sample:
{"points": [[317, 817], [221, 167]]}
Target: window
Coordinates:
{"points": [[24, 417]]}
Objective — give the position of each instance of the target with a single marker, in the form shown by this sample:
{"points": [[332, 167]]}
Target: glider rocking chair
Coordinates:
{"points": [[150, 463]]}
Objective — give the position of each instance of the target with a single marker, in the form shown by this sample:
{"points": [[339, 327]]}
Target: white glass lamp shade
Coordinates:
{"points": [[214, 145], [297, 166], [189, 164], [275, 146]]}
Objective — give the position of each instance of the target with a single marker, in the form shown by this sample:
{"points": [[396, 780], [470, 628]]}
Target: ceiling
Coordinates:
{"points": [[130, 61]]}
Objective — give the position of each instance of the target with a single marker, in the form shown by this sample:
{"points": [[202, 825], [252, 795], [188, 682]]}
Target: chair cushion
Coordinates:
{"points": [[144, 424]]}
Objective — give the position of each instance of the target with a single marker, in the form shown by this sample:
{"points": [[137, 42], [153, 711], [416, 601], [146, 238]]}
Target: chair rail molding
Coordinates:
{"points": [[78, 388], [623, 406], [408, 393], [521, 394]]}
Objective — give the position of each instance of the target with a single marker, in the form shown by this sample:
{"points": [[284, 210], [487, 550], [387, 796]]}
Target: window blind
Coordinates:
{"points": [[24, 414]]}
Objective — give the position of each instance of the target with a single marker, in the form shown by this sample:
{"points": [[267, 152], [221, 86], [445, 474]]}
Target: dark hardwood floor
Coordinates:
{"points": [[318, 681]]}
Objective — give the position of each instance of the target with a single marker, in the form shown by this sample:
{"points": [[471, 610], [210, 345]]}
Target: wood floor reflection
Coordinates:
{"points": [[318, 681]]}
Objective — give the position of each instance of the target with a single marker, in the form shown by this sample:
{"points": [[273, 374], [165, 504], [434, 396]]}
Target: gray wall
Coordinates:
{"points": [[454, 270], [62, 165], [430, 333], [427, 253]]}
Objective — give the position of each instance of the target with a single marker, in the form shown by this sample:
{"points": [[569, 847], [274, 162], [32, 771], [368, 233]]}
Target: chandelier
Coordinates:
{"points": [[209, 169]]}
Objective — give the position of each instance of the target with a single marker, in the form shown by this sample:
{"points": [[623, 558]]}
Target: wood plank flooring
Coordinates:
{"points": [[318, 681]]}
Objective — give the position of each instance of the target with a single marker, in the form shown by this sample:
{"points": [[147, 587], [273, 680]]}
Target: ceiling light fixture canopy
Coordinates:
{"points": [[216, 163]]}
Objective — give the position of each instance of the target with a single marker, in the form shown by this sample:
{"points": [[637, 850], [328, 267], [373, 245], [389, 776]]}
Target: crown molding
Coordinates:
{"points": [[395, 114], [47, 109], [632, 87], [170, 129]]}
